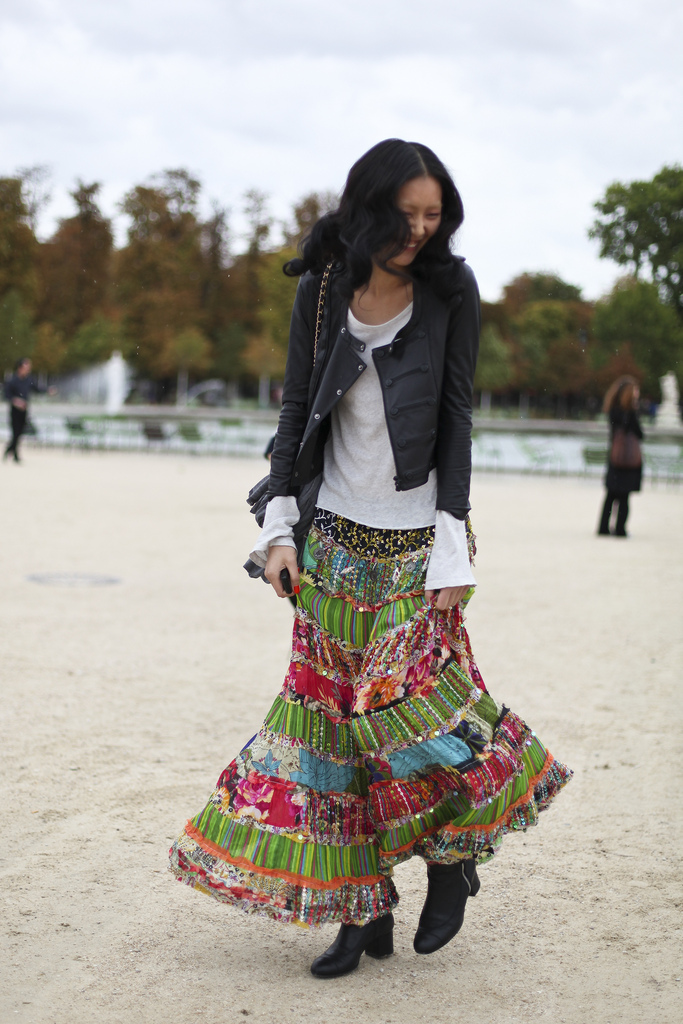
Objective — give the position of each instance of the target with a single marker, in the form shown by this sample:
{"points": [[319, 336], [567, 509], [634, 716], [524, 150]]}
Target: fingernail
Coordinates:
{"points": [[297, 588]]}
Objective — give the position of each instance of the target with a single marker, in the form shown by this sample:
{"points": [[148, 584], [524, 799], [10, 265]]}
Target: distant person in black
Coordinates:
{"points": [[17, 391], [624, 467]]}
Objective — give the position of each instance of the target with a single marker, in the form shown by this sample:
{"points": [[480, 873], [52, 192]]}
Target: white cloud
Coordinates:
{"points": [[535, 106]]}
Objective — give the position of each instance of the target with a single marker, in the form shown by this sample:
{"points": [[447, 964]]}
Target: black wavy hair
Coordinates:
{"points": [[368, 222]]}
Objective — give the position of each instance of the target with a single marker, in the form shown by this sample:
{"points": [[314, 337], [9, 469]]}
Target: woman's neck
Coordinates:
{"points": [[384, 297]]}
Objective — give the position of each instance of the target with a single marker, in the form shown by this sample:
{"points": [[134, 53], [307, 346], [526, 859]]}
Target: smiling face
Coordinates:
{"points": [[420, 201]]}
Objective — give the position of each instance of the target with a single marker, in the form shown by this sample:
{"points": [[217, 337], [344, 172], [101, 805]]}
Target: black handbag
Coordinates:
{"points": [[258, 497], [625, 452]]}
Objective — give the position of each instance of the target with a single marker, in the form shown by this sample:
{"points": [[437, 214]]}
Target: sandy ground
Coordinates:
{"points": [[121, 704]]}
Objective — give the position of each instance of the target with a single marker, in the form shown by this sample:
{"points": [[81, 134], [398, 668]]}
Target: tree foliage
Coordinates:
{"points": [[305, 213], [17, 333], [49, 353], [549, 336], [494, 366], [94, 342], [259, 220], [75, 265], [18, 243], [539, 287], [177, 301], [185, 350], [216, 293], [640, 227], [632, 318], [160, 270], [267, 347], [35, 190]]}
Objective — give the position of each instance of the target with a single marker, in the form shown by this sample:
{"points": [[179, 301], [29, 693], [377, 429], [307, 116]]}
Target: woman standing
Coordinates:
{"points": [[384, 742], [625, 464]]}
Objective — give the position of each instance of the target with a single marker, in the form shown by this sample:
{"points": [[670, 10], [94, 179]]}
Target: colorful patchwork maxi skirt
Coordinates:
{"points": [[382, 744]]}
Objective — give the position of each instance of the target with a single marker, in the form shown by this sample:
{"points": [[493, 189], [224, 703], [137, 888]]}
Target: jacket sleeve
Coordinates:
{"points": [[294, 412], [454, 438]]}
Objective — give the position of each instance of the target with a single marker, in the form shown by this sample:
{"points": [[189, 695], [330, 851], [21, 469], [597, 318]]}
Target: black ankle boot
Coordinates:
{"points": [[375, 938], [449, 886]]}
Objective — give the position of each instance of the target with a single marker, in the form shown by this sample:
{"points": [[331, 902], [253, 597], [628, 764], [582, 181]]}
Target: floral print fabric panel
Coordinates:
{"points": [[382, 744]]}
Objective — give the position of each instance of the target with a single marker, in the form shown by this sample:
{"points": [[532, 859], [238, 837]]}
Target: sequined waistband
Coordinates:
{"points": [[371, 541]]}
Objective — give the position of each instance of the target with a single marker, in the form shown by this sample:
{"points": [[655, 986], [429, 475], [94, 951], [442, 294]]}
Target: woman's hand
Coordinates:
{"points": [[282, 556], [445, 598]]}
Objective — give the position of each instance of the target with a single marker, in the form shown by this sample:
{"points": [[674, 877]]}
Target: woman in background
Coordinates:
{"points": [[625, 464]]}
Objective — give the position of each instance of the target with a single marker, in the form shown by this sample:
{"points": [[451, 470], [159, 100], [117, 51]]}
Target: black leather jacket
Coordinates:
{"points": [[426, 373]]}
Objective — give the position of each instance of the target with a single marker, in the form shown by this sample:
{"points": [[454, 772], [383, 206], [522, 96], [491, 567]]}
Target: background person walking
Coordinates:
{"points": [[17, 391], [625, 464]]}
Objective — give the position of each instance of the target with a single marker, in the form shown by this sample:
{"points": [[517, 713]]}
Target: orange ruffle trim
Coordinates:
{"points": [[336, 883], [303, 880], [455, 829]]}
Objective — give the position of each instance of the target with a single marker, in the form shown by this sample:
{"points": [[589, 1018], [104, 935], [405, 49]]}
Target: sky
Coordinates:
{"points": [[535, 106]]}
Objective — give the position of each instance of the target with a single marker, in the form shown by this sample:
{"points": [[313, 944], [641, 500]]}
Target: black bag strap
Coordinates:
{"points": [[257, 498], [320, 313], [321, 309]]}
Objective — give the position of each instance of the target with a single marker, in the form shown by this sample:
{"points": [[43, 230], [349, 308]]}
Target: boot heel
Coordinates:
{"points": [[380, 947]]}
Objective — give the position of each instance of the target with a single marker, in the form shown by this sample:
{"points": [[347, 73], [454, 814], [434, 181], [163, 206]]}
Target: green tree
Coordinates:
{"points": [[75, 265], [94, 342], [633, 316], [241, 346], [221, 300], [266, 352], [305, 213], [494, 365], [551, 352], [259, 220], [547, 320], [229, 346], [277, 292], [17, 336], [640, 227], [566, 369], [215, 276], [160, 271], [18, 245], [49, 352], [244, 273], [185, 351], [619, 364], [35, 190], [542, 286]]}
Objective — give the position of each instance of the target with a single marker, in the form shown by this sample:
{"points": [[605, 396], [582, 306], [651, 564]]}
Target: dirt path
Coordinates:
{"points": [[122, 703]]}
